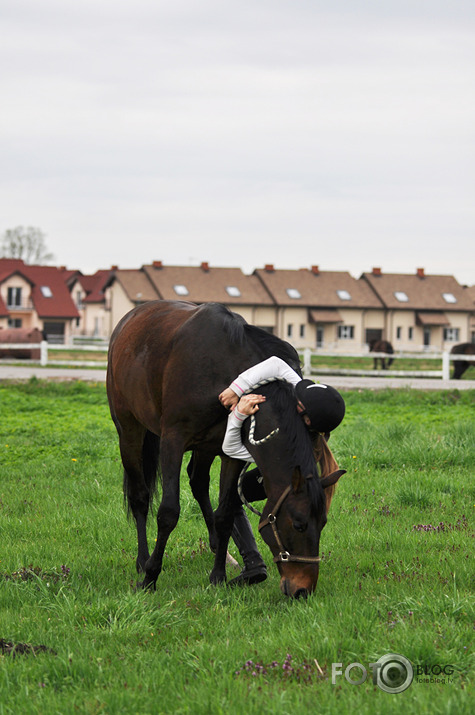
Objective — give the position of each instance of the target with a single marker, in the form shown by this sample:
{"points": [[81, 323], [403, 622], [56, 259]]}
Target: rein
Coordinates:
{"points": [[271, 519]]}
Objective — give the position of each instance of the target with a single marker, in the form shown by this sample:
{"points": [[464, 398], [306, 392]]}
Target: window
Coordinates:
{"points": [[180, 290], [14, 297], [401, 296], [289, 330], [46, 292], [398, 333], [233, 291], [451, 334], [320, 336], [293, 293], [346, 332], [14, 322], [410, 333], [302, 331], [79, 300], [343, 295], [449, 297]]}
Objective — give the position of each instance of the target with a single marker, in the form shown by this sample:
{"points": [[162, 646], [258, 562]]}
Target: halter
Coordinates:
{"points": [[283, 556]]}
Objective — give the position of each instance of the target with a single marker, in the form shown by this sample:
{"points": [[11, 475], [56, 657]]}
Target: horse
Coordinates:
{"points": [[382, 346], [460, 366], [168, 361]]}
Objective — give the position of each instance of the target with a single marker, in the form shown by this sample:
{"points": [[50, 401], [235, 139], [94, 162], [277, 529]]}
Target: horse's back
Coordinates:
{"points": [[463, 349]]}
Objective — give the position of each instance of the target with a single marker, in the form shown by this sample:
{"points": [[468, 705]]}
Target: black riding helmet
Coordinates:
{"points": [[323, 404]]}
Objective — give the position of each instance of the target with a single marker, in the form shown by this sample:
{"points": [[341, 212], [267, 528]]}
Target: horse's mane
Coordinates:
{"points": [[302, 454], [241, 333]]}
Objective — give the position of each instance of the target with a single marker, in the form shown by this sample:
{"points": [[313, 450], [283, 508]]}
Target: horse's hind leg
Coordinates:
{"points": [[171, 454], [137, 491]]}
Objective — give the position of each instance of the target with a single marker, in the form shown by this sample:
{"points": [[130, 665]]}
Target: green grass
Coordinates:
{"points": [[396, 575]]}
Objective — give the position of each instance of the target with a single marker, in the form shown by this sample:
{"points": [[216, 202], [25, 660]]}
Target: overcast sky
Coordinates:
{"points": [[295, 132]]}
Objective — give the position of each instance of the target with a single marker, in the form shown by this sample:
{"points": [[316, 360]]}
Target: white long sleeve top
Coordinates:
{"points": [[272, 367]]}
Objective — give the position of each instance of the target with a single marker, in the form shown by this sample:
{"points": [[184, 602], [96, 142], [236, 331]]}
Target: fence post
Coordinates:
{"points": [[307, 361], [445, 365], [44, 353]]}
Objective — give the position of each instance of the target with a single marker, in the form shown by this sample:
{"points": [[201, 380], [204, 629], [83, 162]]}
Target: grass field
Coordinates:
{"points": [[396, 575]]}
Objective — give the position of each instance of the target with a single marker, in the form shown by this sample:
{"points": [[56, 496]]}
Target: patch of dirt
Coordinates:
{"points": [[14, 649]]}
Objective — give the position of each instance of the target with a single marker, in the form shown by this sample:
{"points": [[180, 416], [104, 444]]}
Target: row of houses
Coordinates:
{"points": [[330, 310]]}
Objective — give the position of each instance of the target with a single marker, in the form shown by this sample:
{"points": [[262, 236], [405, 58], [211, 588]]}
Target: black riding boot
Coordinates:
{"points": [[254, 570]]}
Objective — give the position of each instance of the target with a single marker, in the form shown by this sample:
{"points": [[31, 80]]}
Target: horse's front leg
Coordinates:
{"points": [[171, 454], [198, 471], [224, 515]]}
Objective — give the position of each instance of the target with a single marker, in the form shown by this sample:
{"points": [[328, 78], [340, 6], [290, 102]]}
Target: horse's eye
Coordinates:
{"points": [[299, 525]]}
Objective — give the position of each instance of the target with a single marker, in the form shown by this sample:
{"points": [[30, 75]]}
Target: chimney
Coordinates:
{"points": [[377, 272], [114, 268], [420, 273], [157, 264], [269, 267], [315, 270], [205, 266]]}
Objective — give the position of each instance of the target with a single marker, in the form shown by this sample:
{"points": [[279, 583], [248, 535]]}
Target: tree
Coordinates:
{"points": [[25, 243]]}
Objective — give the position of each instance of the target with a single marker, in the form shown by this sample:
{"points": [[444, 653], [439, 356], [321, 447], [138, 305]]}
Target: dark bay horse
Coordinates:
{"points": [[382, 346], [168, 362], [460, 366]]}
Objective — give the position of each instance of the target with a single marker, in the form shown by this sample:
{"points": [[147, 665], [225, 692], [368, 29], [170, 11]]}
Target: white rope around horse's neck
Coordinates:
{"points": [[257, 442]]}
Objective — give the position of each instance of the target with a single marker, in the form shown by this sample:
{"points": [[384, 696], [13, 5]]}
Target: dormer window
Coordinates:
{"points": [[401, 296], [449, 297], [46, 292], [343, 295], [180, 290], [293, 293], [233, 291]]}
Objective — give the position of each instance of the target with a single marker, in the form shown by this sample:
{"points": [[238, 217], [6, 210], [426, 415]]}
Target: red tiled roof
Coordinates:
{"points": [[94, 285]]}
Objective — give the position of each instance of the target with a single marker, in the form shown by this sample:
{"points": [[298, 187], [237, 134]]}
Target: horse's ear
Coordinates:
{"points": [[297, 480], [332, 478]]}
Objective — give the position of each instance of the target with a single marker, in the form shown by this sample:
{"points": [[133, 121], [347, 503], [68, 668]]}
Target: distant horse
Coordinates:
{"points": [[168, 362], [460, 366], [382, 346]]}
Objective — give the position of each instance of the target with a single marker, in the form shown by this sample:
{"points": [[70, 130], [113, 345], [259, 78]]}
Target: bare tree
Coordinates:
{"points": [[25, 243]]}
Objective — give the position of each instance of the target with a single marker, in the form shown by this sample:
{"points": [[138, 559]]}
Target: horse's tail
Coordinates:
{"points": [[150, 466], [328, 464]]}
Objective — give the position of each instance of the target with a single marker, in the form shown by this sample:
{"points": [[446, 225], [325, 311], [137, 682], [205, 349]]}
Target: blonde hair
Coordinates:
{"points": [[328, 464]]}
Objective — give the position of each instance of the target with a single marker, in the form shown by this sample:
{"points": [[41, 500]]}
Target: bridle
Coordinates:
{"points": [[283, 555], [271, 519]]}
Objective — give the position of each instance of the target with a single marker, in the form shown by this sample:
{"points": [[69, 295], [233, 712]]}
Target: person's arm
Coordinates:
{"points": [[272, 367], [232, 444]]}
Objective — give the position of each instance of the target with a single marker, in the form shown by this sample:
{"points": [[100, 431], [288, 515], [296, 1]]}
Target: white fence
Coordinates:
{"points": [[444, 359], [44, 359]]}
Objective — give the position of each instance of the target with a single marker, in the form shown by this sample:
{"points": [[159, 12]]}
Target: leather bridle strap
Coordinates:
{"points": [[283, 555]]}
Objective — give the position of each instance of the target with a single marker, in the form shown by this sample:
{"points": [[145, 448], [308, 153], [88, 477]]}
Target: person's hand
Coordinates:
{"points": [[228, 398], [249, 404]]}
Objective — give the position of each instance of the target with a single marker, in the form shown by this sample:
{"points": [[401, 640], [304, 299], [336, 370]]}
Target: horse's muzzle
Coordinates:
{"points": [[295, 590]]}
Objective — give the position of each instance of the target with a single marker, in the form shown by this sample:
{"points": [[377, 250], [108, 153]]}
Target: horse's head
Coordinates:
{"points": [[295, 512]]}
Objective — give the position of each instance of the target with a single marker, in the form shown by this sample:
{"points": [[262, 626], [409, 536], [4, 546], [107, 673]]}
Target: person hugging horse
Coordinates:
{"points": [[321, 407]]}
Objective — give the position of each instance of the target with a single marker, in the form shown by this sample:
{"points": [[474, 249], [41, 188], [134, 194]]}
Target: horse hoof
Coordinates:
{"points": [[217, 578], [148, 584]]}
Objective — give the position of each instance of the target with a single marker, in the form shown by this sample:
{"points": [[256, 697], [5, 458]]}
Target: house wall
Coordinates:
{"points": [[25, 311], [118, 305]]}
